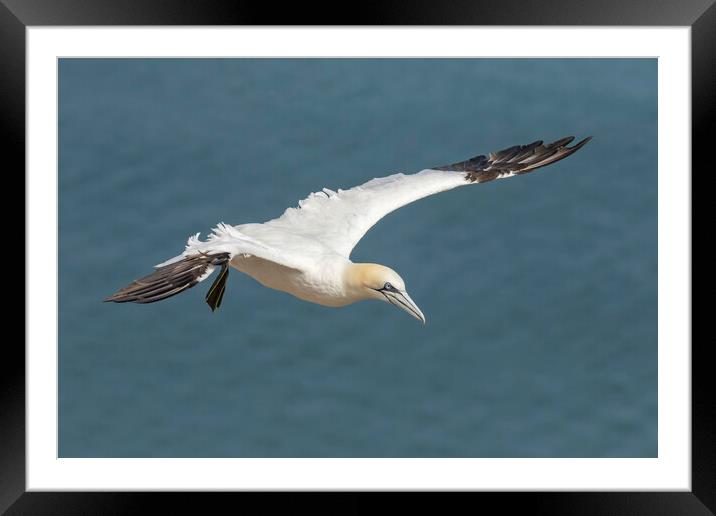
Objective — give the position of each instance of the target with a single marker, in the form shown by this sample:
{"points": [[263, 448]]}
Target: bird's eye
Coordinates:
{"points": [[388, 286]]}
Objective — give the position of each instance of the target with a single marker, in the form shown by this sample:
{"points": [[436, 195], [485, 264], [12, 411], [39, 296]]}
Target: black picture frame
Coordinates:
{"points": [[17, 15]]}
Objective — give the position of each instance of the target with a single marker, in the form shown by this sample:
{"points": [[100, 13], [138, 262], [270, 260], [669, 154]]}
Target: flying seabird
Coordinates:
{"points": [[306, 251]]}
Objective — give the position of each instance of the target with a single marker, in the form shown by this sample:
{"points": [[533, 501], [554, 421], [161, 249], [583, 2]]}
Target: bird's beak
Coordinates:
{"points": [[402, 300]]}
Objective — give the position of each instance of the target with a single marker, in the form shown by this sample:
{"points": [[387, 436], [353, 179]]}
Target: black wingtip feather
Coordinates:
{"points": [[515, 160], [581, 144], [561, 142], [170, 280]]}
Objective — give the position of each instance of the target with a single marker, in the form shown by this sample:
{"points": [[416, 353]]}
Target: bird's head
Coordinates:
{"points": [[373, 281]]}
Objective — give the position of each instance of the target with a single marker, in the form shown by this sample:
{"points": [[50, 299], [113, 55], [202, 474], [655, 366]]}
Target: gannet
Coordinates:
{"points": [[306, 251]]}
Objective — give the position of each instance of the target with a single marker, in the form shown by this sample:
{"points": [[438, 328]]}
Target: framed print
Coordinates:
{"points": [[554, 362]]}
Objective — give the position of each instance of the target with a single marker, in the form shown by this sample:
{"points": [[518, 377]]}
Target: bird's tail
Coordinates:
{"points": [[176, 276]]}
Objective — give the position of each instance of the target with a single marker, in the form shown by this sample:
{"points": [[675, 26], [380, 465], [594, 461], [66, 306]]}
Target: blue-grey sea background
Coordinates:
{"points": [[540, 291]]}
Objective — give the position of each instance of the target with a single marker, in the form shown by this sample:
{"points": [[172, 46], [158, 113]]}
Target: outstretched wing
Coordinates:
{"points": [[340, 219], [196, 264]]}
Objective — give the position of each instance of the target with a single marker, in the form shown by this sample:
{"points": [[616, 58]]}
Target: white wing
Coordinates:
{"points": [[340, 219], [198, 261], [231, 240]]}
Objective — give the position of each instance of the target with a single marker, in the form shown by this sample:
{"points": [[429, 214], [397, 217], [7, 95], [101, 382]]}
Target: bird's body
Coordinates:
{"points": [[321, 282], [306, 251]]}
